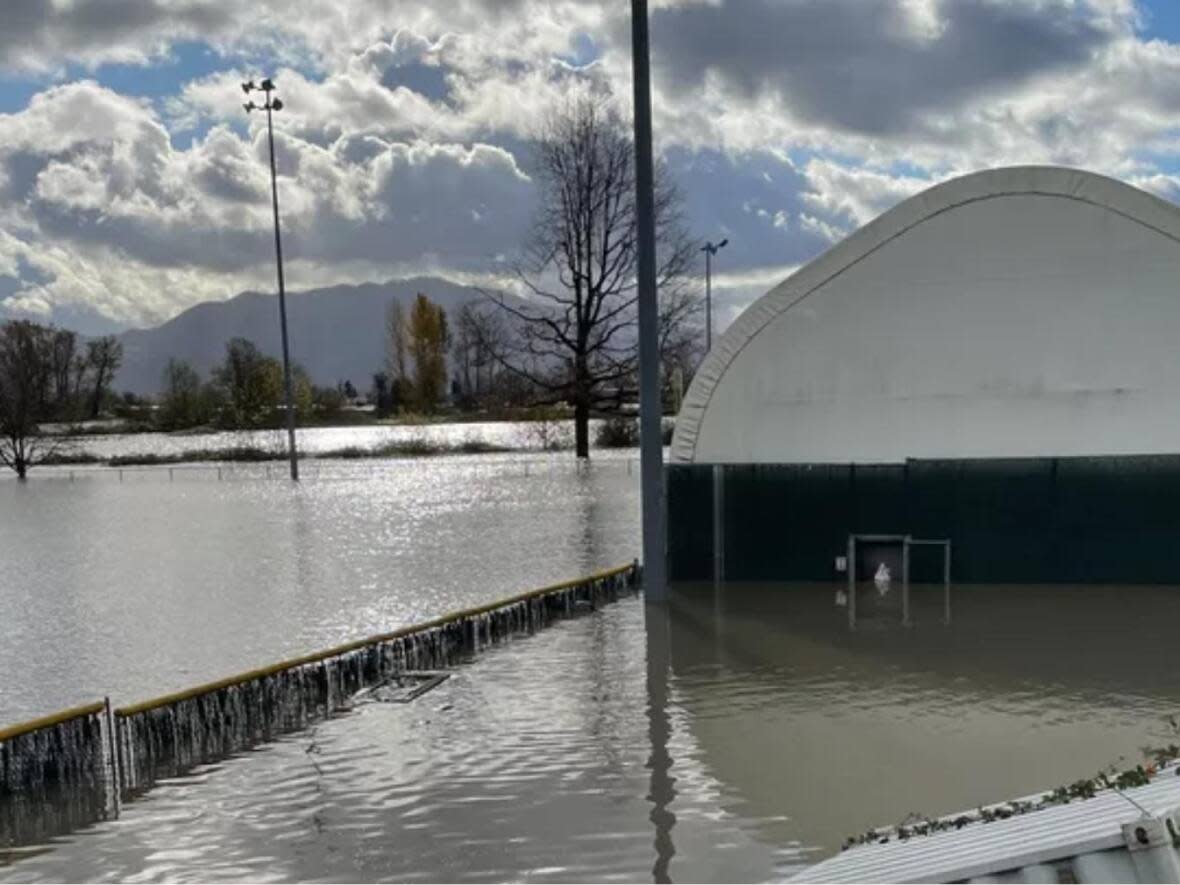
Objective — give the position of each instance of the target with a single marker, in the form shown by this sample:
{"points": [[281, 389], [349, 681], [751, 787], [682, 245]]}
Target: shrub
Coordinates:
{"points": [[618, 432]]}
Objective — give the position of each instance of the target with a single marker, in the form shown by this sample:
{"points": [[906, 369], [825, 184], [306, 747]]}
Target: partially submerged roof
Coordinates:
{"points": [[1014, 312], [1088, 840]]}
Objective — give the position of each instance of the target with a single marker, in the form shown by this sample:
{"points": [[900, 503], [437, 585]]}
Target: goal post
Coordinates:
{"points": [[901, 546]]}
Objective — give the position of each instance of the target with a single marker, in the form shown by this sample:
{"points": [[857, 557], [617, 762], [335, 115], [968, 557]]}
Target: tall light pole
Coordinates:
{"points": [[271, 104], [710, 249], [651, 450]]}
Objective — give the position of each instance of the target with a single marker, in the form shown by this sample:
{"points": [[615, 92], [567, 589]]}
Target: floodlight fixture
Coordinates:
{"points": [[710, 249], [272, 104]]}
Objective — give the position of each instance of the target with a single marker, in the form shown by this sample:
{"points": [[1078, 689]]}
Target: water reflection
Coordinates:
{"points": [[839, 732], [662, 792], [146, 586], [730, 736]]}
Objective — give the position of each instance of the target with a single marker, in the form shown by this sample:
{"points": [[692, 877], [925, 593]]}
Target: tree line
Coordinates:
{"points": [[49, 375], [572, 340]]}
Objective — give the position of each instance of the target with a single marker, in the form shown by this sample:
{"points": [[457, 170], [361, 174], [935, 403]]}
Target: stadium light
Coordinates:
{"points": [[270, 104], [710, 249]]}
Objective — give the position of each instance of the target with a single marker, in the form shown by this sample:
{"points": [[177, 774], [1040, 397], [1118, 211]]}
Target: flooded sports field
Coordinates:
{"points": [[739, 733]]}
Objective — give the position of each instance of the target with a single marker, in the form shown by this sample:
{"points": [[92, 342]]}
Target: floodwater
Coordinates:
{"points": [[524, 435], [140, 582], [736, 734]]}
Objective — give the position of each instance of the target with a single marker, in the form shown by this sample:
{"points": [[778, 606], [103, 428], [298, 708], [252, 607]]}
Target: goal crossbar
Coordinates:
{"points": [[905, 542]]}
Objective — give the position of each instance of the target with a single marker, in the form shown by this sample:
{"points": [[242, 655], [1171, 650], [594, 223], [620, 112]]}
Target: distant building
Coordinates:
{"points": [[996, 360]]}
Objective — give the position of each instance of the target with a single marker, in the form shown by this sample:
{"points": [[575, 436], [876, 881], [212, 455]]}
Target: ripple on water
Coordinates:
{"points": [[710, 748]]}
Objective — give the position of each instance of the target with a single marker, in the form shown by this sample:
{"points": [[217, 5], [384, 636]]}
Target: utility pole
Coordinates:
{"points": [[710, 249], [271, 104], [651, 453]]}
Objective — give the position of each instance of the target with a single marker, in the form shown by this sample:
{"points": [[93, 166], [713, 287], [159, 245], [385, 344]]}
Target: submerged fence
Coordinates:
{"points": [[56, 773], [91, 751]]}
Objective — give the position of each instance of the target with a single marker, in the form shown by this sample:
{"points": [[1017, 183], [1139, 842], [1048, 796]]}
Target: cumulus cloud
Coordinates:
{"points": [[44, 34], [856, 195], [96, 175], [872, 68], [403, 144]]}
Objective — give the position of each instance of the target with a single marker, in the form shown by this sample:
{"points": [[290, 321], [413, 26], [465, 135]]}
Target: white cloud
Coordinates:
{"points": [[857, 194], [152, 228], [403, 144]]}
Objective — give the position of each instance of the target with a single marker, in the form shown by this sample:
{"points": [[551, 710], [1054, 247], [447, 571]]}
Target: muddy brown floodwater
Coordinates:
{"points": [[736, 734]]}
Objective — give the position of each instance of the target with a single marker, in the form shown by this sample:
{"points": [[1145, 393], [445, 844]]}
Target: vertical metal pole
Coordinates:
{"points": [[946, 583], [650, 410], [852, 582], [718, 524], [905, 582], [708, 300], [274, 194]]}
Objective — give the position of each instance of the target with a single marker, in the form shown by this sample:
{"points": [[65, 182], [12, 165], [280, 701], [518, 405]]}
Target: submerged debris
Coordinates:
{"points": [[401, 688], [167, 737], [70, 769]]}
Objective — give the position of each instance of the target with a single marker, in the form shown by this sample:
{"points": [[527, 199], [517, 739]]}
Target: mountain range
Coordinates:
{"points": [[337, 333]]}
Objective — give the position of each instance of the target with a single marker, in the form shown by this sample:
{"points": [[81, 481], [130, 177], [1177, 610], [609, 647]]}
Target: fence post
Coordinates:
{"points": [[718, 524], [115, 773], [905, 582], [851, 582], [946, 584]]}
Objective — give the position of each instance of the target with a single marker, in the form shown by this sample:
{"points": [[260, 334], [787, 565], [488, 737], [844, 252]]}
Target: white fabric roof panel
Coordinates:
{"points": [[1084, 838], [1030, 311]]}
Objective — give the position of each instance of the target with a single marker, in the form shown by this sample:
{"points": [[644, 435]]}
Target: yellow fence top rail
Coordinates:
{"points": [[336, 651], [14, 731]]}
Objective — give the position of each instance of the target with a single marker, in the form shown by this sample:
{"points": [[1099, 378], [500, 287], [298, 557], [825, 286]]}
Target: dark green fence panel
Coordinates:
{"points": [[1014, 520], [878, 499], [755, 508], [690, 522], [1003, 523]]}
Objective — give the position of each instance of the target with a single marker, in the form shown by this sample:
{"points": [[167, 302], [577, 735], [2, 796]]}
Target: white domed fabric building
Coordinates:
{"points": [[996, 360]]}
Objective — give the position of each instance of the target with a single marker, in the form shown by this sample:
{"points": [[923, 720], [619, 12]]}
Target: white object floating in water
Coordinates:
{"points": [[841, 598], [882, 578]]}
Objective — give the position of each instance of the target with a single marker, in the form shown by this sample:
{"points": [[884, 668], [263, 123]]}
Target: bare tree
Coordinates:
{"points": [[104, 356], [480, 334], [64, 359], [575, 335], [26, 379], [397, 339]]}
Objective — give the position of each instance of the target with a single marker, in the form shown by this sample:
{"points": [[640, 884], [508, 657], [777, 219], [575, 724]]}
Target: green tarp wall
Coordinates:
{"points": [[1036, 520]]}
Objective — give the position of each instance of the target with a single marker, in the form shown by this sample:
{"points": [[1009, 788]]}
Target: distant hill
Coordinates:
{"points": [[337, 333]]}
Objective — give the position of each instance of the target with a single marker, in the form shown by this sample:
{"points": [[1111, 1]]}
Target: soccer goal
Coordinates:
{"points": [[884, 559]]}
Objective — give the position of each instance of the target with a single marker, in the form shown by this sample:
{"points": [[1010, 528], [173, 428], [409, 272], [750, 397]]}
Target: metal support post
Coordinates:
{"points": [[650, 407], [905, 582], [718, 524], [851, 582]]}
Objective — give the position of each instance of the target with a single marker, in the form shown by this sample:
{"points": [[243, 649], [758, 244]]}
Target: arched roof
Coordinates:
{"points": [[1002, 252]]}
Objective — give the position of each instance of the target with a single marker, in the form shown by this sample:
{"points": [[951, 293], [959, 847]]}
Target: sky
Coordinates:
{"points": [[134, 185]]}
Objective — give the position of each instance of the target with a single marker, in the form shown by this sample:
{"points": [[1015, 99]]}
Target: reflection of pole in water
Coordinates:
{"points": [[589, 517], [662, 790]]}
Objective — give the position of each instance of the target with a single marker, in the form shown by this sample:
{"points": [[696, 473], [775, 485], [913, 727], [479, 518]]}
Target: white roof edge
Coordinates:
{"points": [[1059, 181]]}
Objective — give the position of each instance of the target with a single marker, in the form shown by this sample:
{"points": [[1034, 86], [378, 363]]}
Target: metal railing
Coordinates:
{"points": [[117, 753]]}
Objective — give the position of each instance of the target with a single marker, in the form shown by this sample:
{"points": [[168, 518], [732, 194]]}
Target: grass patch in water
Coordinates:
{"points": [[409, 448]]}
